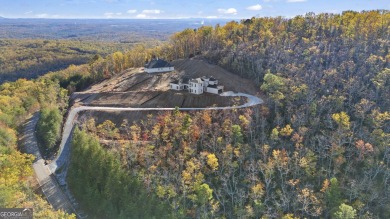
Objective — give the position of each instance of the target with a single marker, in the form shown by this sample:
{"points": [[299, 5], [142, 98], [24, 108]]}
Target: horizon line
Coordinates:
{"points": [[183, 18], [116, 18]]}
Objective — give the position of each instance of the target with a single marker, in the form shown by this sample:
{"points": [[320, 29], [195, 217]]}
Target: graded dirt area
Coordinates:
{"points": [[135, 88], [160, 99]]}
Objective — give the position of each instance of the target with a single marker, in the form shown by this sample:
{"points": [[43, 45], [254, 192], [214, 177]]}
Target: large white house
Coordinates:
{"points": [[198, 85], [158, 65]]}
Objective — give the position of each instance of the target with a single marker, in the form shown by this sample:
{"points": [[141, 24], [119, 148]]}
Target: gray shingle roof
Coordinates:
{"points": [[158, 63], [196, 80]]}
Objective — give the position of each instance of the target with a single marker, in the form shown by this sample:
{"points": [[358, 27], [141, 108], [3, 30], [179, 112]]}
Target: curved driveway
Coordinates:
{"points": [[64, 150]]}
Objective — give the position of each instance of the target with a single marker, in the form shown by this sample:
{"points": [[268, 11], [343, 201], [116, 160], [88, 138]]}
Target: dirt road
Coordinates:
{"points": [[44, 176]]}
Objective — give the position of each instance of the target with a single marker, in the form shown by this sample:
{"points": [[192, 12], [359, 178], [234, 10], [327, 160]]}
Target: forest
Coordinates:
{"points": [[30, 58], [317, 147]]}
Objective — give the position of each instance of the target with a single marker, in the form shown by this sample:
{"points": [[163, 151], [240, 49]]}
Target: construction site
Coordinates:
{"points": [[138, 89]]}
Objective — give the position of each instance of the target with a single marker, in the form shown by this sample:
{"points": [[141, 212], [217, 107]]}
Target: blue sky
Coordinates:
{"points": [[121, 9]]}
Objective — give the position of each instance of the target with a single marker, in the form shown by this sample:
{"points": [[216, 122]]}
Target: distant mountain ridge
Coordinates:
{"points": [[110, 30]]}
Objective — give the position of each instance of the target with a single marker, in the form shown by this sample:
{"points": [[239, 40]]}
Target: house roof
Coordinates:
{"points": [[196, 80], [208, 78], [182, 81], [213, 86], [204, 78], [185, 80], [158, 63]]}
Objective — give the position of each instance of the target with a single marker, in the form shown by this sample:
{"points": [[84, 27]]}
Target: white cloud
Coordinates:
{"points": [[131, 11], [45, 15], [112, 14], [293, 1], [108, 14], [154, 11], [149, 13], [254, 7], [212, 17], [28, 12], [141, 16], [42, 15], [227, 11]]}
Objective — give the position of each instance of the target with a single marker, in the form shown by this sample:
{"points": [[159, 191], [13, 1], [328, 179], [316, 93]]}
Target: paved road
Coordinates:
{"points": [[44, 176], [62, 158]]}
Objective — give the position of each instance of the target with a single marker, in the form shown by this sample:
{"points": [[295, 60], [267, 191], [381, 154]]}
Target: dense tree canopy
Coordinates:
{"points": [[30, 58], [49, 127], [104, 189], [318, 147]]}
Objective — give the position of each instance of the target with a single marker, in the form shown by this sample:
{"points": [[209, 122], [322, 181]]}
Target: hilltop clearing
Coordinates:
{"points": [[135, 88], [137, 80]]}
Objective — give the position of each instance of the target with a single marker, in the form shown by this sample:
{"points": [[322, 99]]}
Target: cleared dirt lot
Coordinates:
{"points": [[137, 80], [156, 99], [135, 88]]}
